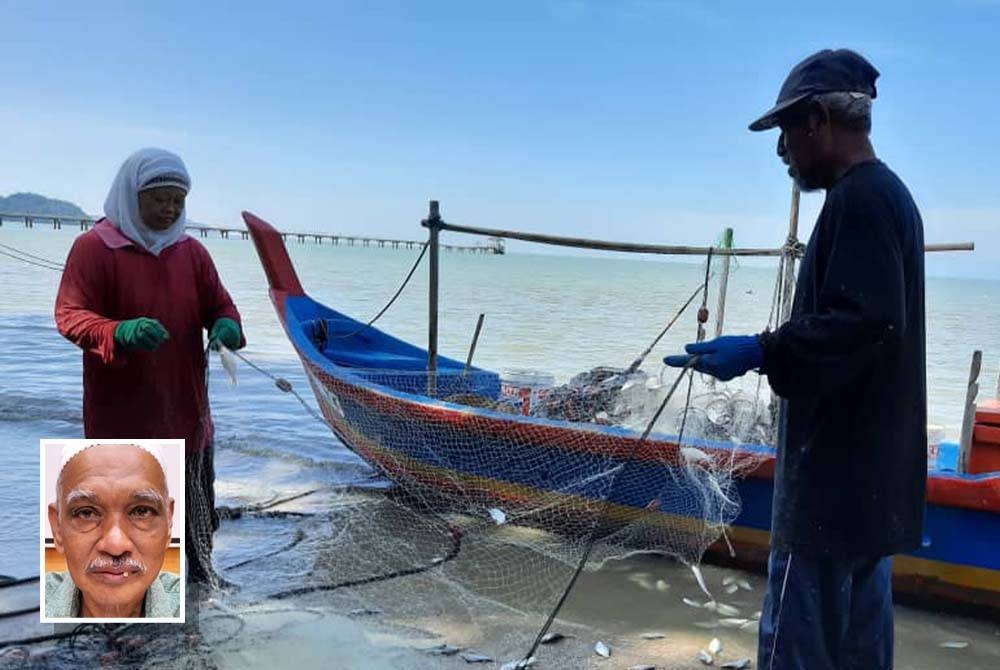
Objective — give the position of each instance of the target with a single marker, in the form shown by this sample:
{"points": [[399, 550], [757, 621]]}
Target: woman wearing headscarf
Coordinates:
{"points": [[136, 295]]}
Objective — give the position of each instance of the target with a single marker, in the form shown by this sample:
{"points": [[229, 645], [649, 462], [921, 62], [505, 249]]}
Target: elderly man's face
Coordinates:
{"points": [[112, 522], [804, 147]]}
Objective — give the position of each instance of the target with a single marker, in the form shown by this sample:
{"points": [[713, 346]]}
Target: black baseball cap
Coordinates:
{"points": [[827, 71]]}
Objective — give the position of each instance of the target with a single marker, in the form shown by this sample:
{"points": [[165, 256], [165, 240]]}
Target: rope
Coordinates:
{"points": [[456, 547], [10, 581], [18, 582], [48, 265], [283, 384], [399, 291], [31, 255]]}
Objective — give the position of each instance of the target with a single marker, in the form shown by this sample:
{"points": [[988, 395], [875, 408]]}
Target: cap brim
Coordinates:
{"points": [[770, 118]]}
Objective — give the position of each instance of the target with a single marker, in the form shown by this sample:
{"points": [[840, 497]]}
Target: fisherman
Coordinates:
{"points": [[112, 520], [136, 294], [851, 468]]}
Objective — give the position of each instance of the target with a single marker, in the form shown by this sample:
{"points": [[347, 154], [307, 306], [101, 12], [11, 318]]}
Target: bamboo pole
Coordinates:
{"points": [[661, 249], [605, 245], [720, 315], [433, 224], [968, 418], [475, 340]]}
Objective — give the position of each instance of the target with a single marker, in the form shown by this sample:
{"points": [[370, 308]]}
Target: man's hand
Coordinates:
{"points": [[225, 331], [724, 358], [142, 333]]}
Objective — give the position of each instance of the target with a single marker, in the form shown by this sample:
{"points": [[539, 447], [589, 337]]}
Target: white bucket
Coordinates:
{"points": [[525, 387], [935, 436]]}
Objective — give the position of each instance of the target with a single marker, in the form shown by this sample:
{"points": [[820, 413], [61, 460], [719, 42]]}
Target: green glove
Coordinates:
{"points": [[225, 331], [142, 333]]}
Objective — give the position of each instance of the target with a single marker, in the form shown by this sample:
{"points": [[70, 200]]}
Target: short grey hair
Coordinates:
{"points": [[853, 110]]}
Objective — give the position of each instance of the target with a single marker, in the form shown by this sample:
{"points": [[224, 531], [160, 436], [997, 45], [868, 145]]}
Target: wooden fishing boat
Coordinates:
{"points": [[373, 390]]}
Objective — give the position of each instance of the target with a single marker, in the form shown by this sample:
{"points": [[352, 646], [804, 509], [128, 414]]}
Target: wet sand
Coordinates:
{"points": [[491, 598], [402, 618]]}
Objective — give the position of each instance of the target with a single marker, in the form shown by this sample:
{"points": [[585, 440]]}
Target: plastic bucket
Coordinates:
{"points": [[525, 387]]}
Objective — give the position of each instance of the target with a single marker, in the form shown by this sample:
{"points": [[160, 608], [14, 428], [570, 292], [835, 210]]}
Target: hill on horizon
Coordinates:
{"points": [[33, 203]]}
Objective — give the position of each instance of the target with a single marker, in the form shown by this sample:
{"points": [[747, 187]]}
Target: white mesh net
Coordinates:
{"points": [[497, 499]]}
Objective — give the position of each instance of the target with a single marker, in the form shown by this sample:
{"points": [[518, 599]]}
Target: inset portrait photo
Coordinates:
{"points": [[112, 529]]}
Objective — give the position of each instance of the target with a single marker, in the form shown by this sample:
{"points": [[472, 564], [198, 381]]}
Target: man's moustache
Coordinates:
{"points": [[125, 563]]}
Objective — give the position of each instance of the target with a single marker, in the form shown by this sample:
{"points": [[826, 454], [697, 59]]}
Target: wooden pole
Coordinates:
{"points": [[720, 315], [968, 418], [605, 245], [790, 254], [475, 340], [433, 224]]}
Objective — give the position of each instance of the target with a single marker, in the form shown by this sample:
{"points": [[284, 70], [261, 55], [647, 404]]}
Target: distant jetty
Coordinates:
{"points": [[492, 245]]}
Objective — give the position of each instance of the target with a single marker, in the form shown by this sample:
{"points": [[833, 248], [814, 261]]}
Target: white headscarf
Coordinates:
{"points": [[146, 168]]}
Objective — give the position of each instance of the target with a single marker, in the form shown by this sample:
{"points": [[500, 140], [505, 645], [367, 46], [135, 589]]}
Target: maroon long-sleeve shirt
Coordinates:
{"points": [[142, 394]]}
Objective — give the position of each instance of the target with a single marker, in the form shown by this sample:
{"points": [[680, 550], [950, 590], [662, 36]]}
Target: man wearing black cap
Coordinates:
{"points": [[851, 467]]}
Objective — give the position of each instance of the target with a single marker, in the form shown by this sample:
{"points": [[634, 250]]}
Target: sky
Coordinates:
{"points": [[620, 120]]}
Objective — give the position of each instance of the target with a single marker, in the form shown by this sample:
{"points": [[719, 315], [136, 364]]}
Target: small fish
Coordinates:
{"points": [[745, 585], [726, 610], [498, 516], [954, 644], [728, 580], [552, 638], [693, 455], [475, 657], [691, 603], [228, 363], [437, 559], [711, 606], [519, 664], [741, 664], [602, 649], [715, 646], [443, 650], [653, 636], [642, 667], [364, 612], [733, 623], [642, 582], [705, 657], [756, 616], [661, 585], [732, 588], [751, 626], [700, 579]]}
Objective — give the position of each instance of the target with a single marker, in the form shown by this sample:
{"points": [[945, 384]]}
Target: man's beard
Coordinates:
{"points": [[804, 184]]}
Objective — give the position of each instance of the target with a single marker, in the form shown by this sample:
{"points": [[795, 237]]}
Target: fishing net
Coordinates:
{"points": [[500, 495], [492, 498]]}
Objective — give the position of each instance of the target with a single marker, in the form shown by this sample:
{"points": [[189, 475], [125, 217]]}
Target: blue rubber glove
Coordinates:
{"points": [[724, 357]]}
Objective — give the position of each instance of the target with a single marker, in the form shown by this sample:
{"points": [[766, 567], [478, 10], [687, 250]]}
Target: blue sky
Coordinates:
{"points": [[622, 120]]}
